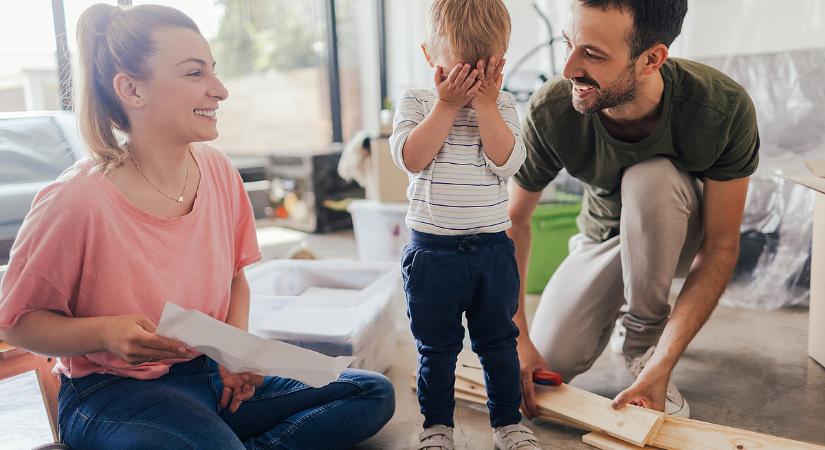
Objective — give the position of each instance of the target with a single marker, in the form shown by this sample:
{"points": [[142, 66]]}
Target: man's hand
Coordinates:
{"points": [[649, 390], [457, 88], [530, 361], [491, 77], [237, 387]]}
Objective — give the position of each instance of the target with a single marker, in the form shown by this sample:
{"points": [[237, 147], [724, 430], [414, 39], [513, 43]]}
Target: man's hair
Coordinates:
{"points": [[654, 21], [468, 30]]}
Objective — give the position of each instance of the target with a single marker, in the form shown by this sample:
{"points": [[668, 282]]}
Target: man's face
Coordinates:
{"points": [[598, 58]]}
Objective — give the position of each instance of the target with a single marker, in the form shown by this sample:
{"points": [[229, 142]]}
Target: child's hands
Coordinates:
{"points": [[457, 88], [491, 78]]}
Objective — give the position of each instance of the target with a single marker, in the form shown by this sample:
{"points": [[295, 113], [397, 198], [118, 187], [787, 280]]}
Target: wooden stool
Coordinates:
{"points": [[15, 361]]}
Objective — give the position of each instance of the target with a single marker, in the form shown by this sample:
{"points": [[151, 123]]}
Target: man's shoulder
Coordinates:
{"points": [[701, 87], [553, 97]]}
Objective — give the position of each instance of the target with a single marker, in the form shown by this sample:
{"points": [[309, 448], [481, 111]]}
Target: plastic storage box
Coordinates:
{"points": [[338, 308], [380, 231], [552, 226]]}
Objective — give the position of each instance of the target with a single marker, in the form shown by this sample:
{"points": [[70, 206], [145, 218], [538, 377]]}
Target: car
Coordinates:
{"points": [[35, 148]]}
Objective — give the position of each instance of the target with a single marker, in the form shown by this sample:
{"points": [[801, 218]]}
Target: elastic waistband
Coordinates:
{"points": [[465, 242]]}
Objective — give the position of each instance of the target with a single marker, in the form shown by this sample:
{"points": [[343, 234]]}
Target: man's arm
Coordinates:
{"points": [[723, 205], [522, 205]]}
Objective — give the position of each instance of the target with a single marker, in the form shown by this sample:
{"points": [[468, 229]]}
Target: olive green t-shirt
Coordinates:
{"points": [[707, 128]]}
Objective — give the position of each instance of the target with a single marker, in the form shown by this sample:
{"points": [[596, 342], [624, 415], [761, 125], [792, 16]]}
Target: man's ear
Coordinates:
{"points": [[654, 58], [127, 90], [427, 55]]}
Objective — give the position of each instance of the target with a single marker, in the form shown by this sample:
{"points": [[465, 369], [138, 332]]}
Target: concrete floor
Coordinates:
{"points": [[747, 369]]}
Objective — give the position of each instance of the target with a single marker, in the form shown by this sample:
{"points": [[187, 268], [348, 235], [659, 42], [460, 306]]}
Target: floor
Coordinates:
{"points": [[746, 368]]}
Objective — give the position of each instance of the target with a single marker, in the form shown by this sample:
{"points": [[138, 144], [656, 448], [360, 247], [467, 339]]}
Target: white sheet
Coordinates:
{"points": [[240, 351]]}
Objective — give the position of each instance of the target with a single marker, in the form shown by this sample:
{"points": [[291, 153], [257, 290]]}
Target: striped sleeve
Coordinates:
{"points": [[508, 112], [408, 114]]}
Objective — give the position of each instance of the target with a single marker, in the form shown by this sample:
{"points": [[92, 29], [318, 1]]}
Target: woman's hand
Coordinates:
{"points": [[237, 387], [132, 338]]}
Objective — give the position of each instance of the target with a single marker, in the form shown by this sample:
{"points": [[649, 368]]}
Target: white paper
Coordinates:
{"points": [[240, 351]]}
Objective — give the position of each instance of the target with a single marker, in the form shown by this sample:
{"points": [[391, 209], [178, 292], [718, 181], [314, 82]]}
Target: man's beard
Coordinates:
{"points": [[623, 90]]}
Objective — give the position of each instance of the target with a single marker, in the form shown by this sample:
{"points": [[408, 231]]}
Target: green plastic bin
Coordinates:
{"points": [[552, 226]]}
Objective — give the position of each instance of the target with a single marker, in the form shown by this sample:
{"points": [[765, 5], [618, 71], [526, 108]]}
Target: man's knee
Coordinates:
{"points": [[655, 185], [567, 356]]}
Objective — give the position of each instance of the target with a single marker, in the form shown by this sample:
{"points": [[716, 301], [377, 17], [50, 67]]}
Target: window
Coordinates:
{"points": [[28, 80], [272, 55]]}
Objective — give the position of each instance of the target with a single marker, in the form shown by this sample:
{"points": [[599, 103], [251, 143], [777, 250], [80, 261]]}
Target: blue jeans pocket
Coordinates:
{"points": [[86, 386], [409, 262]]}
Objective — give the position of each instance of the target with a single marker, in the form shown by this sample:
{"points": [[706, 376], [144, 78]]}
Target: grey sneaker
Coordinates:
{"points": [[515, 437], [438, 437], [675, 403]]}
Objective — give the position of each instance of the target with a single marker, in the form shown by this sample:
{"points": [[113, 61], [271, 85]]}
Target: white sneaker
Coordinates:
{"points": [[515, 437], [438, 437], [617, 337], [675, 403]]}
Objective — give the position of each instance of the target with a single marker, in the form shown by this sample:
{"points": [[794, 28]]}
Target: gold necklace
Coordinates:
{"points": [[185, 181]]}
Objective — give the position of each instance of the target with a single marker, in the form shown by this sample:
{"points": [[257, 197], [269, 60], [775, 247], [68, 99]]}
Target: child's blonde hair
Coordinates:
{"points": [[468, 30], [113, 39]]}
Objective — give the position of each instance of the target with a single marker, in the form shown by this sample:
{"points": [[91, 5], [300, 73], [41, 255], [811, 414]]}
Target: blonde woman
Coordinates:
{"points": [[160, 217]]}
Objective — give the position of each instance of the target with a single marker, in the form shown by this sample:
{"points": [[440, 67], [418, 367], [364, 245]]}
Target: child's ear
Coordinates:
{"points": [[427, 55]]}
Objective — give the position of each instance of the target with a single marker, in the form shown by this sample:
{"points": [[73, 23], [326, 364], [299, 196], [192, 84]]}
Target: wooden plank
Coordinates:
{"points": [[631, 424], [688, 434], [605, 442], [473, 393], [673, 433], [49, 388]]}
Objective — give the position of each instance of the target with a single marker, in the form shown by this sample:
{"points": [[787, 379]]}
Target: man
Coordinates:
{"points": [[664, 148]]}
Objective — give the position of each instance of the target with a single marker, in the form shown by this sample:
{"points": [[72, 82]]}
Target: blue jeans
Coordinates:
{"points": [[180, 411], [476, 275]]}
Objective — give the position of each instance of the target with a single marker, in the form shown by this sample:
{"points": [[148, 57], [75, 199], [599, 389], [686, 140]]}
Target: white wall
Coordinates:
{"points": [[726, 27]]}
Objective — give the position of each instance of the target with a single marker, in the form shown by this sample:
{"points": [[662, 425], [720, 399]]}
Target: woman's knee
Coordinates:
{"points": [[376, 389]]}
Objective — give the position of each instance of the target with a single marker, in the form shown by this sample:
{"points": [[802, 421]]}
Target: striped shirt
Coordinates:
{"points": [[461, 191]]}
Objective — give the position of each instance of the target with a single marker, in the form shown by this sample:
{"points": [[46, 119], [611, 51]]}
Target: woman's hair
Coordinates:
{"points": [[111, 40]]}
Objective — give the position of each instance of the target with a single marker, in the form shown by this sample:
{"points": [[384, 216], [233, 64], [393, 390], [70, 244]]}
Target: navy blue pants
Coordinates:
{"points": [[445, 276]]}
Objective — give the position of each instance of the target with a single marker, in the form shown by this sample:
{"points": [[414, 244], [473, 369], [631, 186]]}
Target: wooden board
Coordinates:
{"points": [[631, 424], [673, 434], [605, 442], [473, 393], [687, 434]]}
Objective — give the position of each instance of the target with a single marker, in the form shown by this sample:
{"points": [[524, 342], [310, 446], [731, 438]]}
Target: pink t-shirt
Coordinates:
{"points": [[85, 250]]}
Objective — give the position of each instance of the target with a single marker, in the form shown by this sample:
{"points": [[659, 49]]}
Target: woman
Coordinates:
{"points": [[157, 217]]}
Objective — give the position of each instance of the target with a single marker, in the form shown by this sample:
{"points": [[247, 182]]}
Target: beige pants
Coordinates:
{"points": [[660, 234]]}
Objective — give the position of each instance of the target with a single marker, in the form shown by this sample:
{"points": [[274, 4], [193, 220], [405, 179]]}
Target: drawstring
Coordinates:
{"points": [[469, 244]]}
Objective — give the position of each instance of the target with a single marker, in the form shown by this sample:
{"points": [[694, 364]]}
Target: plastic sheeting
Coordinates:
{"points": [[787, 90]]}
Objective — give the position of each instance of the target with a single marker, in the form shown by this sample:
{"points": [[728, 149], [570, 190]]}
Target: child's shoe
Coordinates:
{"points": [[438, 437], [515, 437]]}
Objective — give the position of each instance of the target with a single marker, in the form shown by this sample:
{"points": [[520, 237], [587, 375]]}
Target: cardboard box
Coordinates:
{"points": [[816, 324], [388, 183]]}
